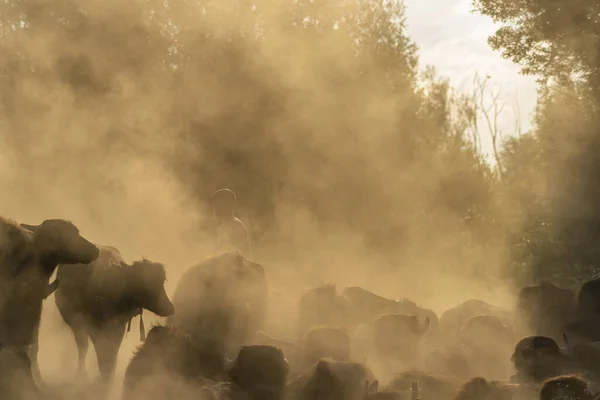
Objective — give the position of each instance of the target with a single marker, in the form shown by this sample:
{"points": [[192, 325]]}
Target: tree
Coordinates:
{"points": [[313, 106], [557, 41]]}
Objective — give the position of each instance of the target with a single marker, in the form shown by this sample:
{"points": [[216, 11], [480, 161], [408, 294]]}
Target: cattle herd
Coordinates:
{"points": [[218, 340]]}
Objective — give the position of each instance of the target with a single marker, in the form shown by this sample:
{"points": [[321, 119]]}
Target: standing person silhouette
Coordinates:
{"points": [[232, 234]]}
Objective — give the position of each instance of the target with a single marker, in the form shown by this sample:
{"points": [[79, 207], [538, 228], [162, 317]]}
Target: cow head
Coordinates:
{"points": [[566, 387], [58, 242], [259, 367], [537, 358], [336, 380], [146, 284]]}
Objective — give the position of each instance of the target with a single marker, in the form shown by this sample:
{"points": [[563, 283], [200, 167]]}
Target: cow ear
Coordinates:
{"points": [[421, 328], [31, 228]]}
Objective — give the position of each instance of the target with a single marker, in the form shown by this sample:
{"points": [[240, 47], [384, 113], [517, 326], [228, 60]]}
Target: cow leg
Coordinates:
{"points": [[80, 333], [107, 342], [33, 355]]}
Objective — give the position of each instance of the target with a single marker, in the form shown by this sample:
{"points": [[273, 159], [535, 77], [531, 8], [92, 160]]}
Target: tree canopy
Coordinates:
{"points": [[319, 116], [558, 42]]}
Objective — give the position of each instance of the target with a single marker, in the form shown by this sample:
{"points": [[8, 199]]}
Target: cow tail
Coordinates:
{"points": [[142, 329]]}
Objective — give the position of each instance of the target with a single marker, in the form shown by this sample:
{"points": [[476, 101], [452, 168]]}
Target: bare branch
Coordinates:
{"points": [[490, 115], [517, 116]]}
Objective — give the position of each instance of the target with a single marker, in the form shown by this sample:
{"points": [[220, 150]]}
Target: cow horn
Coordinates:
{"points": [[142, 328], [124, 264], [31, 228], [422, 328], [228, 363], [566, 344], [51, 288]]}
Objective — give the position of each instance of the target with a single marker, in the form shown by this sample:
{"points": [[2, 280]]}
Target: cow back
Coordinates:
{"points": [[546, 309], [96, 287], [588, 298], [225, 294]]}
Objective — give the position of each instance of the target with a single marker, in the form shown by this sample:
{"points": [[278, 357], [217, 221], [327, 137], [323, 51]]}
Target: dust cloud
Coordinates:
{"points": [[124, 117]]}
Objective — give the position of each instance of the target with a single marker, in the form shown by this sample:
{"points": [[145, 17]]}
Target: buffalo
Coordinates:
{"points": [[537, 358], [481, 389], [98, 299], [16, 378], [450, 361], [323, 306], [326, 342], [588, 298], [369, 305], [566, 387], [293, 353], [171, 364], [454, 319], [586, 325], [473, 341], [546, 309], [223, 299], [391, 340], [587, 357], [258, 372], [29, 255], [332, 380]]}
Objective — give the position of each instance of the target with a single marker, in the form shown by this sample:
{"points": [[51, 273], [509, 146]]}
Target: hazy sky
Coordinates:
{"points": [[454, 40]]}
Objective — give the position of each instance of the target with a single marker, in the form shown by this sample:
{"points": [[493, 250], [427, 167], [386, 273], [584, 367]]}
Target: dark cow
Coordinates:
{"points": [[326, 342], [588, 299], [537, 358], [171, 364], [223, 299], [587, 356], [567, 388], [370, 305], [473, 341], [258, 372], [409, 307], [98, 299], [293, 353], [483, 345], [332, 380], [586, 324], [449, 361], [16, 378], [29, 255], [392, 341], [481, 389], [323, 306], [583, 330], [454, 319], [546, 309]]}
